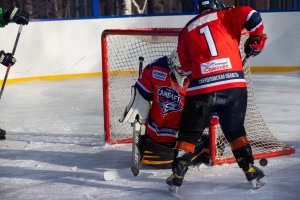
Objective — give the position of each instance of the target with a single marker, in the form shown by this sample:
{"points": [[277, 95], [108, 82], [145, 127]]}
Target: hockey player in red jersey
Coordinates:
{"points": [[209, 54], [159, 96]]}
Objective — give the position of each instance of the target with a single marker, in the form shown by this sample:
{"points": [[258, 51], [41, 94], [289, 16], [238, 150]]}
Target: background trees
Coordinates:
{"points": [[41, 9]]}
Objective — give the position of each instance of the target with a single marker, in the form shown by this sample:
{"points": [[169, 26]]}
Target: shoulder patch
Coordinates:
{"points": [[159, 75]]}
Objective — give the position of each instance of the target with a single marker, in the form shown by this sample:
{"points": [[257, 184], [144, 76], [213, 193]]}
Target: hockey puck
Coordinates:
{"points": [[263, 162]]}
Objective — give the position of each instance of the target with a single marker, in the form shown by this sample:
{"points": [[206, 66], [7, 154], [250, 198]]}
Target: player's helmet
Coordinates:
{"points": [[176, 68], [207, 5]]}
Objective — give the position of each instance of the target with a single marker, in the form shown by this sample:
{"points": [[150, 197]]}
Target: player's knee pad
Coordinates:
{"points": [[137, 109], [157, 154]]}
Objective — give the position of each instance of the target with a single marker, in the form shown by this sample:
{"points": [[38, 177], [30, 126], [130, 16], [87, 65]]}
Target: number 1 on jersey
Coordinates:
{"points": [[210, 41]]}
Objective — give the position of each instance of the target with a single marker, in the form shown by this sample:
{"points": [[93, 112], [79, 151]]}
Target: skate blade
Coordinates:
{"points": [[173, 189], [257, 183]]}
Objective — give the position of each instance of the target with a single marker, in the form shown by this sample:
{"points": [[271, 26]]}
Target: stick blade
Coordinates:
{"points": [[135, 170]]}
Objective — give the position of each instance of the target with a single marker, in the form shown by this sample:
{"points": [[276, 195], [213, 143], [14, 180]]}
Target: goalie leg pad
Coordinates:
{"points": [[158, 155]]}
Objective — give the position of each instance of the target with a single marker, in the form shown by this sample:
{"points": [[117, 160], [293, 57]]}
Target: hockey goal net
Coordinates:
{"points": [[121, 50]]}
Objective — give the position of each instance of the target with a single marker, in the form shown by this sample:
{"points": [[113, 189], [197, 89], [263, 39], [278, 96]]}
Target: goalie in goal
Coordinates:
{"points": [[157, 100]]}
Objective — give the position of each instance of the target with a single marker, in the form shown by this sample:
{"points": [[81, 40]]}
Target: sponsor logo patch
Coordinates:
{"points": [[216, 65], [163, 131], [159, 75]]}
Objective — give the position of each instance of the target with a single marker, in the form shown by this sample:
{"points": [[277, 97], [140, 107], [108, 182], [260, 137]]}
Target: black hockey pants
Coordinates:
{"points": [[230, 105]]}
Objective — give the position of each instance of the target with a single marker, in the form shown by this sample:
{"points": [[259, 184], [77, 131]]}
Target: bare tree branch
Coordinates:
{"points": [[140, 11], [127, 7]]}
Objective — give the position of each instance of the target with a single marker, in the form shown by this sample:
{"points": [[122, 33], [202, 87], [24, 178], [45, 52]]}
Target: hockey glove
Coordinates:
{"points": [[138, 108], [255, 44], [7, 59], [16, 15]]}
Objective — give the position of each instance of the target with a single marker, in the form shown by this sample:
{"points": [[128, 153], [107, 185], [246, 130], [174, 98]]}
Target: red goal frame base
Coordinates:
{"points": [[213, 148]]}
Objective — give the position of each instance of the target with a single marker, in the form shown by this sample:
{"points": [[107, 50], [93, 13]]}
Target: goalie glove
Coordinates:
{"points": [[137, 109], [7, 59], [255, 44], [16, 15]]}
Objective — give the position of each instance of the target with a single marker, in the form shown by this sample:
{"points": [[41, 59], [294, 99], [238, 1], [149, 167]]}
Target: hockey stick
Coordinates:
{"points": [[245, 59], [8, 67], [136, 157], [141, 60]]}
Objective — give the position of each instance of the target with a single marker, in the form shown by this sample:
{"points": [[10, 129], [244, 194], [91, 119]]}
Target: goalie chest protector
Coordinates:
{"points": [[158, 85]]}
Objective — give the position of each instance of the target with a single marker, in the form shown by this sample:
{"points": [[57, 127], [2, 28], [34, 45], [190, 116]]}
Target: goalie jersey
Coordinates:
{"points": [[208, 48], [158, 85]]}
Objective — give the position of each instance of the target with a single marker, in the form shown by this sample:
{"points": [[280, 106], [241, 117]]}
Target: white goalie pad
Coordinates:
{"points": [[137, 108]]}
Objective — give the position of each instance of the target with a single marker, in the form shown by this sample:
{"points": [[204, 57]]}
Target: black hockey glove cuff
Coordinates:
{"points": [[16, 15], [7, 59]]}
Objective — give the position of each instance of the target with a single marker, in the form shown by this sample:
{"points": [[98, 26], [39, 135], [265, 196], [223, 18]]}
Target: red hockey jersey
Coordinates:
{"points": [[208, 48], [157, 85]]}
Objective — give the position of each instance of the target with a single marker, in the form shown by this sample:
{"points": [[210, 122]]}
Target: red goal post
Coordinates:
{"points": [[120, 52], [152, 37]]}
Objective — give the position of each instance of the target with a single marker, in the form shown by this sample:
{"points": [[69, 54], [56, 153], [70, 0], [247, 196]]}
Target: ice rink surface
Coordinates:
{"points": [[55, 148]]}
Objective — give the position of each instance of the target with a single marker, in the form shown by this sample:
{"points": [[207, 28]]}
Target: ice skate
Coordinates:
{"points": [[180, 166], [254, 175], [174, 182]]}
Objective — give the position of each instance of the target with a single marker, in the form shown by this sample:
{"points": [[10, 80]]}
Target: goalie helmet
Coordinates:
{"points": [[176, 68], [207, 5]]}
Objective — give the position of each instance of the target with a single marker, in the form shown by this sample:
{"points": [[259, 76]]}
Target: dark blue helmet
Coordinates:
{"points": [[207, 5]]}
